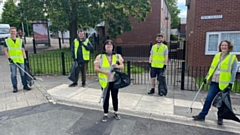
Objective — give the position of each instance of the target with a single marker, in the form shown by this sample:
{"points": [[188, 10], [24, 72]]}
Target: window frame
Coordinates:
{"points": [[219, 33]]}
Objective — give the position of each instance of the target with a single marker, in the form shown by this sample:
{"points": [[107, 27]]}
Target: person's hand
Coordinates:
{"points": [[229, 88], [164, 67], [205, 81], [115, 66], [25, 60], [74, 59], [10, 60]]}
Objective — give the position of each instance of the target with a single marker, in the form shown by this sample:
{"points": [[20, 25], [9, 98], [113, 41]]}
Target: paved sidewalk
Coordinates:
{"points": [[22, 98], [135, 101]]}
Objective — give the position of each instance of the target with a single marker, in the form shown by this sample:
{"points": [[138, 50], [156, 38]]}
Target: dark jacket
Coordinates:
{"points": [[79, 52]]}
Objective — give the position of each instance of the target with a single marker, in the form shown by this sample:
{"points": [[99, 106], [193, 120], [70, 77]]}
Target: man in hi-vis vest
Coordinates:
{"points": [[15, 52], [157, 61], [80, 49]]}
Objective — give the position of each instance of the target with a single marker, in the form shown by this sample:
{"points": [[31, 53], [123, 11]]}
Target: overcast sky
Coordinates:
{"points": [[182, 7]]}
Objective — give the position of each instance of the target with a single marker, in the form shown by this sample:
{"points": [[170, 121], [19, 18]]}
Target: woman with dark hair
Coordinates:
{"points": [[221, 76], [104, 65]]}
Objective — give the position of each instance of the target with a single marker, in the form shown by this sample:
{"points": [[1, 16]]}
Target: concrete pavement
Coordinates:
{"points": [[22, 98], [135, 101]]}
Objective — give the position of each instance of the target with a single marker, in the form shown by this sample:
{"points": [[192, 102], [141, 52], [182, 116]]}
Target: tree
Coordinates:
{"points": [[172, 4], [75, 14], [10, 15]]}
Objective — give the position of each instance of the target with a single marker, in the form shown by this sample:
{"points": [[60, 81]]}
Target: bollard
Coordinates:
{"points": [[59, 42], [63, 64], [34, 47], [183, 75]]}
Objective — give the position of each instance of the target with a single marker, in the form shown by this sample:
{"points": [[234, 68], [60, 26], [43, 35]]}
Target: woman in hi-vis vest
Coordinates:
{"points": [[221, 76], [104, 65]]}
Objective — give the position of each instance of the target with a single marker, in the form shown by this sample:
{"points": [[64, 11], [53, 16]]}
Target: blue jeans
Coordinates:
{"points": [[212, 92], [13, 69]]}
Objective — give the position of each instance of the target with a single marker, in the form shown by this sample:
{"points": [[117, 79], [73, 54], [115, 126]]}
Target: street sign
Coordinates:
{"points": [[211, 17]]}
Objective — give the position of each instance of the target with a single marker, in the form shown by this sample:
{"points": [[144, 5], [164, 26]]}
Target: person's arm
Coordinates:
{"points": [[72, 50], [166, 56], [234, 71], [23, 51], [121, 65], [150, 57], [89, 46], [6, 50]]}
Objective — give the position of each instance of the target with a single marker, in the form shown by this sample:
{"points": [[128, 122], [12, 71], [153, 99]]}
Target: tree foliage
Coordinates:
{"points": [[74, 14], [10, 15], [172, 4]]}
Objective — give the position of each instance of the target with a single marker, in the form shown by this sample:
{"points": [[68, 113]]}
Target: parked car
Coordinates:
{"points": [[4, 32]]}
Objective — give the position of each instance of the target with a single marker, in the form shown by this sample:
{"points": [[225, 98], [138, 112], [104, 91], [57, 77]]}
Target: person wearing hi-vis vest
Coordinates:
{"points": [[157, 61], [104, 65], [221, 76], [80, 50], [15, 52]]}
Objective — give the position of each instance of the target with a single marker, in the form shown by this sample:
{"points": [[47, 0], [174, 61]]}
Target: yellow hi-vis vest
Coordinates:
{"points": [[105, 65], [225, 69], [15, 50], [158, 56], [85, 53]]}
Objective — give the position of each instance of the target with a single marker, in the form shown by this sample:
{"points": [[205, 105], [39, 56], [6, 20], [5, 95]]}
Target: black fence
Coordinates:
{"points": [[136, 65]]}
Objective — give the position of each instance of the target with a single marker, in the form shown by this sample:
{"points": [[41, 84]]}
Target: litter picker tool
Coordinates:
{"points": [[33, 78], [190, 108], [103, 96]]}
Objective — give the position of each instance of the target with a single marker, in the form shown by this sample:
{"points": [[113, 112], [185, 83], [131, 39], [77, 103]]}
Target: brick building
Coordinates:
{"points": [[209, 22], [158, 21]]}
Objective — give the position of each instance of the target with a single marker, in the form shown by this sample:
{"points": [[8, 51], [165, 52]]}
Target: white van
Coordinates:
{"points": [[4, 32]]}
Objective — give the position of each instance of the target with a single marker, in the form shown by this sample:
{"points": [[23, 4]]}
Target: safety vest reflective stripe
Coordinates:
{"points": [[85, 53], [15, 50], [158, 57], [105, 65], [225, 70]]}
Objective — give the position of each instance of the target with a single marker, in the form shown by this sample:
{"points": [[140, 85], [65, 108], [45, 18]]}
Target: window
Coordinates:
{"points": [[213, 39]]}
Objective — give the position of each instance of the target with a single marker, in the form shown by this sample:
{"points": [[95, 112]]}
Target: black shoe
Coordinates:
{"points": [[160, 94], [73, 85], [15, 89], [220, 121], [151, 91], [26, 87], [84, 84], [116, 116], [198, 118], [105, 118]]}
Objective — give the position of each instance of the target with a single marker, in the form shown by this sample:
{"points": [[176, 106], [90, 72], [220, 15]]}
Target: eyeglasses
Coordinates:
{"points": [[108, 44]]}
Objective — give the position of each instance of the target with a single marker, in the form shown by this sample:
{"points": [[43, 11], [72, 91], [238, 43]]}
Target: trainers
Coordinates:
{"points": [[105, 118], [151, 91], [73, 85], [15, 89], [116, 116], [26, 87], [198, 118], [220, 121]]}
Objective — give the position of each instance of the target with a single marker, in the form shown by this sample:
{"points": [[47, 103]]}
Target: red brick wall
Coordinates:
{"points": [[197, 39], [143, 32]]}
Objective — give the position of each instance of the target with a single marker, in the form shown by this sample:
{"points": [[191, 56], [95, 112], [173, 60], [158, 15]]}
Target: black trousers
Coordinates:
{"points": [[114, 94], [83, 69]]}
